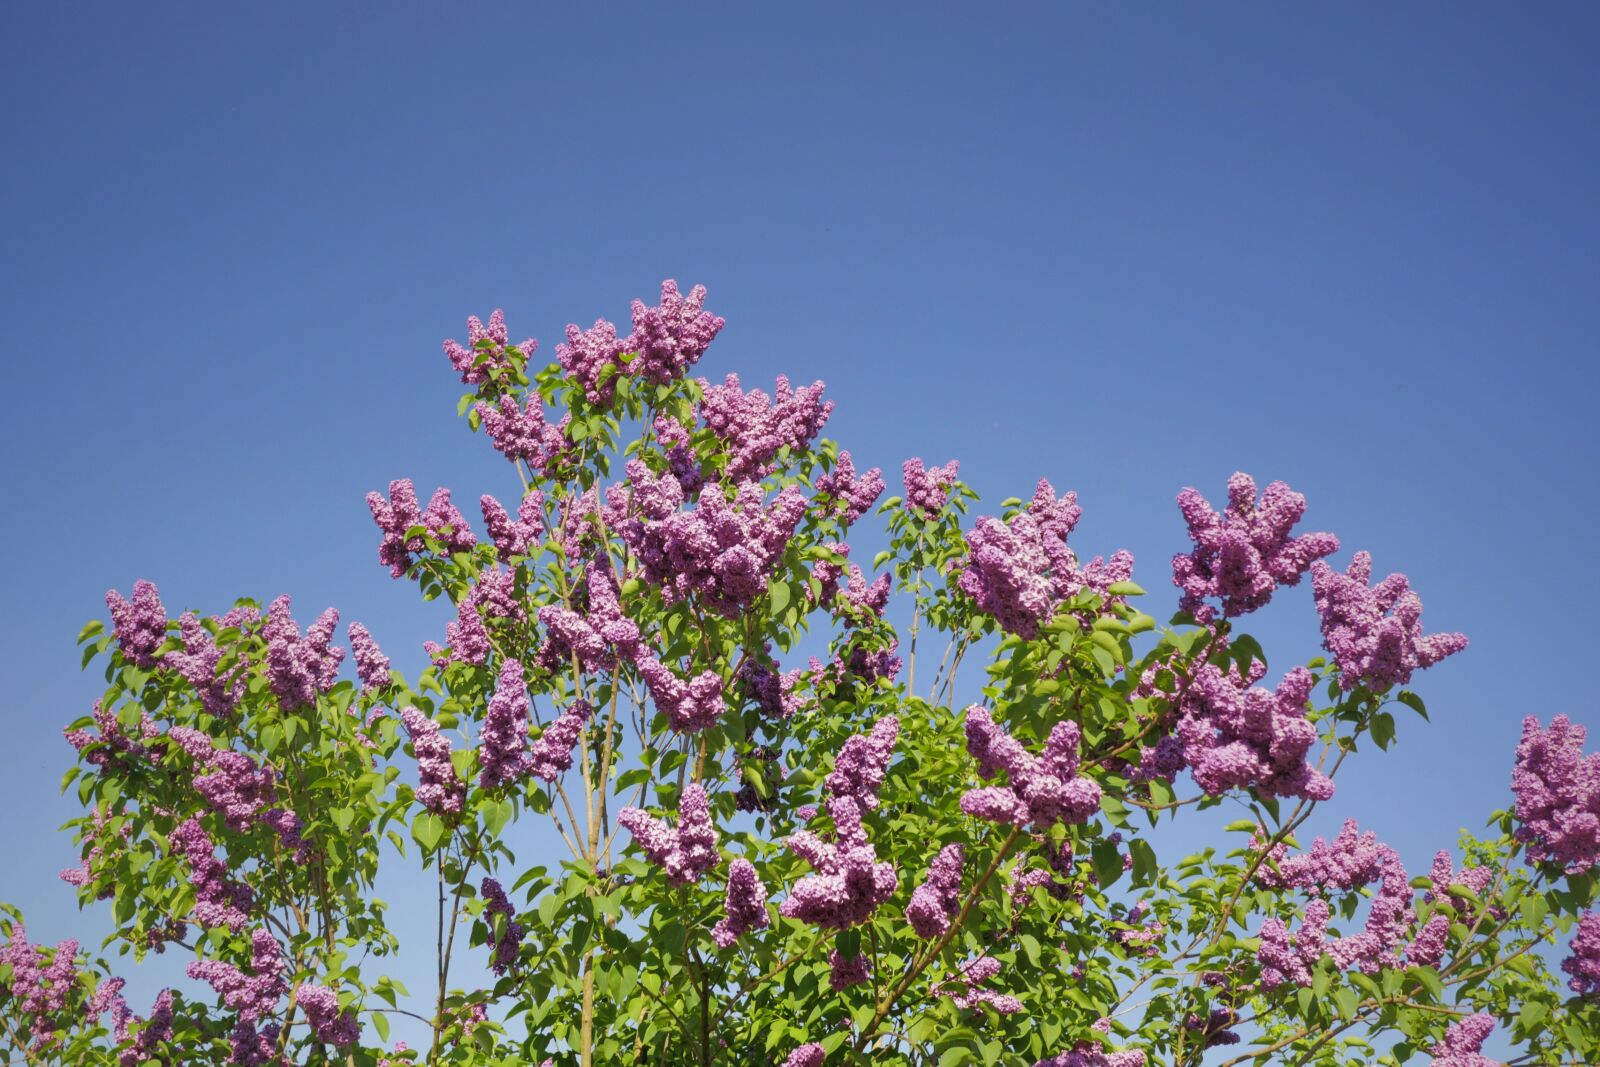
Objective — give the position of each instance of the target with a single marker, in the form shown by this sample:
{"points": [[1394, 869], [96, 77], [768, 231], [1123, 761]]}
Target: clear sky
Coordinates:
{"points": [[1129, 250]]}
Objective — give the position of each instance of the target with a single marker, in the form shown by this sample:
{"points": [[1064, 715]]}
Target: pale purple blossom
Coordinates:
{"points": [[508, 942], [935, 902], [846, 971], [327, 1022], [1043, 789], [671, 337], [852, 495], [757, 427], [486, 348], [928, 489], [685, 852], [552, 752], [1584, 963], [514, 537], [298, 668], [372, 666], [140, 624], [1375, 634], [219, 901], [503, 755], [440, 789], [745, 906], [1463, 1043], [848, 883], [252, 995], [1557, 791], [862, 762]]}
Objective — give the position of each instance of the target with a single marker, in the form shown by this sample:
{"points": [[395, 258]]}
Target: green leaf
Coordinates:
{"points": [[1125, 589], [496, 815], [1346, 999], [428, 830], [380, 1023], [1107, 863], [1383, 729], [778, 594]]}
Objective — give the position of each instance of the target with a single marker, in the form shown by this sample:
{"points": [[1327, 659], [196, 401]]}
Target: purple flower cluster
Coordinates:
{"points": [[771, 689], [1375, 635], [1463, 1043], [327, 1022], [520, 431], [843, 490], [113, 746], [298, 668], [859, 769], [372, 666], [1236, 735], [398, 514], [848, 883], [197, 664], [514, 537], [689, 706], [494, 355], [234, 786], [757, 427], [40, 988], [808, 1055], [688, 851], [252, 995], [1557, 791], [846, 971], [1020, 569], [966, 990], [508, 942], [140, 624], [551, 756], [864, 601], [1242, 555], [1086, 1054], [935, 902], [745, 907], [1044, 789], [721, 552], [928, 489], [598, 636], [218, 900], [666, 341], [440, 789], [1444, 875], [1584, 963], [503, 756]]}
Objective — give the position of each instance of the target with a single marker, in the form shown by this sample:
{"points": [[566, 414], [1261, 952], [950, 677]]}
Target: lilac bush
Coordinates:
{"points": [[810, 805]]}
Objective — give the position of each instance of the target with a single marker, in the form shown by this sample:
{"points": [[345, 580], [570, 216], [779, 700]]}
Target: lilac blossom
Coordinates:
{"points": [[935, 902], [372, 666], [442, 521], [586, 355], [772, 690], [744, 908], [685, 852], [846, 971], [218, 900], [928, 489], [140, 624], [866, 601], [1584, 963], [1557, 791], [671, 337], [848, 883], [1043, 789], [808, 1055], [39, 988], [520, 432], [298, 668], [1375, 634], [966, 989], [859, 769], [827, 573], [677, 445], [440, 789], [253, 995], [197, 664], [551, 756], [494, 355], [758, 427], [1242, 555], [508, 942], [327, 1022], [1087, 1054], [503, 754], [1463, 1042], [113, 746], [599, 637], [689, 706], [853, 496], [514, 537]]}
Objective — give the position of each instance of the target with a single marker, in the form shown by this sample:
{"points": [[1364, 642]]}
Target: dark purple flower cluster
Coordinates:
{"points": [[1212, 1028], [684, 853], [846, 971], [1043, 789], [771, 689], [757, 427], [551, 756], [1375, 635], [859, 769], [298, 668], [1234, 735], [40, 983], [474, 363], [928, 489], [327, 1022], [745, 907], [1242, 555], [218, 900], [935, 902], [140, 624], [503, 755], [253, 995], [966, 989], [851, 495], [723, 552], [520, 431], [848, 883], [440, 789], [1557, 790], [507, 942], [514, 537], [113, 746], [1463, 1043], [398, 514], [1584, 963]]}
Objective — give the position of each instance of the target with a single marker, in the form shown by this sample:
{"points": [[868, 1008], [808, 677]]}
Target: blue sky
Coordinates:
{"points": [[1129, 250]]}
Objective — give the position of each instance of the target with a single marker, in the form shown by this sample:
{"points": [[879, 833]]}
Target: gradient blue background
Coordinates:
{"points": [[1128, 251]]}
